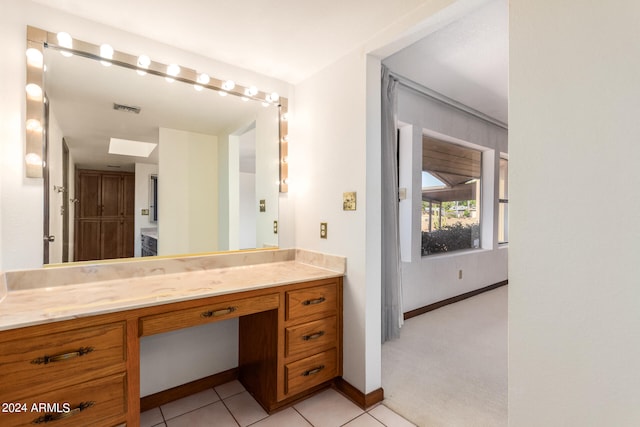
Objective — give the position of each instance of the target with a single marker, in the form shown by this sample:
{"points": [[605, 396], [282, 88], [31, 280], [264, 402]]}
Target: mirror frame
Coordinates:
{"points": [[36, 105]]}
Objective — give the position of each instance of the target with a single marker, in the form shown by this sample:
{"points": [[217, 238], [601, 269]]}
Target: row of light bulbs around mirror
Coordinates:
{"points": [[65, 41]]}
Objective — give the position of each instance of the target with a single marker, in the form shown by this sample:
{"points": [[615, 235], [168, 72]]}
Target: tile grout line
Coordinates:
{"points": [[303, 417], [229, 410], [374, 417], [192, 410]]}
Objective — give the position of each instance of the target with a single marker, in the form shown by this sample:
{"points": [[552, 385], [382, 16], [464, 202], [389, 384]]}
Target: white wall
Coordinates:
{"points": [[174, 358], [574, 293], [142, 191], [234, 201], [187, 192], [327, 153], [22, 198], [248, 211], [433, 278]]}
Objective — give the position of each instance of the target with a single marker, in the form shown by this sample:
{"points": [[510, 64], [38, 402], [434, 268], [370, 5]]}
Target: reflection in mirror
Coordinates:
{"points": [[212, 159]]}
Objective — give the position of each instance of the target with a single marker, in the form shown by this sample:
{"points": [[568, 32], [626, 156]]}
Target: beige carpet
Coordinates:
{"points": [[449, 367]]}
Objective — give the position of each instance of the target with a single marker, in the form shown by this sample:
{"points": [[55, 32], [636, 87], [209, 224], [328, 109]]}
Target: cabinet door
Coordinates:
{"points": [[129, 195], [88, 193], [110, 238], [111, 193], [128, 232], [87, 239]]}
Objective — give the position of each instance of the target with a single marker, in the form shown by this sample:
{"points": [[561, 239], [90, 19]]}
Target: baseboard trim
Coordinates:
{"points": [[184, 390], [365, 401], [439, 304]]}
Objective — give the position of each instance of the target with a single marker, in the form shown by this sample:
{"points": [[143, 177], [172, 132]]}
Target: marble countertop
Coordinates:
{"points": [[34, 305], [151, 233]]}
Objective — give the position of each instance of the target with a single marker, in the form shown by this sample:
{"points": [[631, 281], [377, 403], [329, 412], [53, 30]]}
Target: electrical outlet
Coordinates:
{"points": [[145, 212], [275, 227], [263, 205], [459, 274], [323, 230], [349, 201]]}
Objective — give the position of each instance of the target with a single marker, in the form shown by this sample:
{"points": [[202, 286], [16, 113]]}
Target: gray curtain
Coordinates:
{"points": [[392, 316]]}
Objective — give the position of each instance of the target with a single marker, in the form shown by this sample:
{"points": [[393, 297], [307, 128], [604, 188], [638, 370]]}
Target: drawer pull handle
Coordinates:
{"points": [[215, 313], [47, 418], [313, 336], [314, 301], [313, 371], [60, 357]]}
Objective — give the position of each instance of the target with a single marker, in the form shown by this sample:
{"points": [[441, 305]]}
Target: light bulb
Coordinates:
{"points": [[172, 70], [34, 57], [34, 91], [32, 159], [34, 125], [143, 62], [65, 41], [228, 85], [203, 79], [285, 117], [106, 52], [251, 91], [275, 97]]}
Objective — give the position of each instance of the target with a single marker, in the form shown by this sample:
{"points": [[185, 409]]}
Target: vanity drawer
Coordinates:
{"points": [[311, 301], [310, 371], [179, 319], [99, 402], [60, 358], [311, 337]]}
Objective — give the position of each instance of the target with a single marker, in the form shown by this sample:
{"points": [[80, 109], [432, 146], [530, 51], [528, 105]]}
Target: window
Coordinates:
{"points": [[503, 202], [450, 196]]}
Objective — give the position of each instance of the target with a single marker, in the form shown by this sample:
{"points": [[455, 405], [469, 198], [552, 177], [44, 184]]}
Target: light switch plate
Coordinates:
{"points": [[263, 205], [323, 230], [275, 227], [349, 201], [402, 194], [145, 212]]}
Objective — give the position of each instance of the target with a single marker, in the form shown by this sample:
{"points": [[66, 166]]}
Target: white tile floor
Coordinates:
{"points": [[231, 405]]}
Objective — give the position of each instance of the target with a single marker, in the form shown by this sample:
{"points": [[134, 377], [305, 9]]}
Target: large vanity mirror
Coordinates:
{"points": [[138, 161]]}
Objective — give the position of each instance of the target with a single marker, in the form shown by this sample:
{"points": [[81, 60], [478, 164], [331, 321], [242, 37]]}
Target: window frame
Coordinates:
{"points": [[503, 202], [479, 181]]}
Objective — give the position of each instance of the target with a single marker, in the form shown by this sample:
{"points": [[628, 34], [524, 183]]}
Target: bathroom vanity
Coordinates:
{"points": [[70, 350]]}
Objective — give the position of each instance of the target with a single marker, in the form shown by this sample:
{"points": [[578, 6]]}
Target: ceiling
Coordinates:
{"points": [[286, 39], [291, 39], [468, 60]]}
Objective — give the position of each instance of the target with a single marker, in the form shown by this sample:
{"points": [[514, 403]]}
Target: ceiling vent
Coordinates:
{"points": [[126, 108]]}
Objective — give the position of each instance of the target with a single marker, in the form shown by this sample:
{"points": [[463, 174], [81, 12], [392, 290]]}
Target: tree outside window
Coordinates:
{"points": [[450, 197]]}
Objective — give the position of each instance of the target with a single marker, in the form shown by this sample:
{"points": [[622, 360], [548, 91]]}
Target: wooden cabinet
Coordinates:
{"points": [[312, 336], [105, 215], [72, 373], [287, 354], [88, 369], [179, 319]]}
